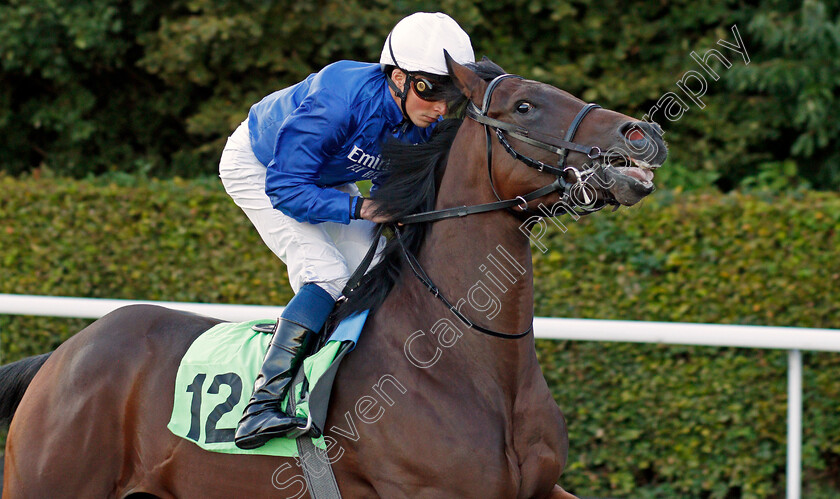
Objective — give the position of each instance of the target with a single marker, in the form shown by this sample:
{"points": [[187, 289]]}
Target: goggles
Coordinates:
{"points": [[428, 89]]}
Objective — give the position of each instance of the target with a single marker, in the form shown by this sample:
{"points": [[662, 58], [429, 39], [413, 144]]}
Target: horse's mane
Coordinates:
{"points": [[411, 188]]}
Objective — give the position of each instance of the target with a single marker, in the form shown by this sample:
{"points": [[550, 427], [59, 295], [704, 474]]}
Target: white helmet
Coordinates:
{"points": [[418, 41]]}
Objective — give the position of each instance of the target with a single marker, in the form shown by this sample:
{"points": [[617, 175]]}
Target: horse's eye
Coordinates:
{"points": [[523, 107]]}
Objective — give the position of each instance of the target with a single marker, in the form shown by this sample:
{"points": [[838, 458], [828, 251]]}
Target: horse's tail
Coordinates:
{"points": [[14, 379]]}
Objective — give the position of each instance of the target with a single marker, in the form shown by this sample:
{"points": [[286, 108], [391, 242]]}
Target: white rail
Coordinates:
{"points": [[783, 338], [683, 333], [94, 308]]}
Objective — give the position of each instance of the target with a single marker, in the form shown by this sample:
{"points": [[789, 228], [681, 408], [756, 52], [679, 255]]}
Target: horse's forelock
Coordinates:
{"points": [[486, 69]]}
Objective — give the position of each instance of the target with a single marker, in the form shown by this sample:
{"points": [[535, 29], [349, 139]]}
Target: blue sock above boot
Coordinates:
{"points": [[310, 307]]}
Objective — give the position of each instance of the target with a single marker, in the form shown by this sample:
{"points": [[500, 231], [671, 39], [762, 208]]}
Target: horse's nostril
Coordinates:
{"points": [[633, 131], [634, 134]]}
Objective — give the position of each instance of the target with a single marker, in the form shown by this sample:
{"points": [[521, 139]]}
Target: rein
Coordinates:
{"points": [[359, 274], [421, 275]]}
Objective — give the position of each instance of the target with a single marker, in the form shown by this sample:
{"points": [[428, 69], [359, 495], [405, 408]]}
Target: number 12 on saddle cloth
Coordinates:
{"points": [[216, 375]]}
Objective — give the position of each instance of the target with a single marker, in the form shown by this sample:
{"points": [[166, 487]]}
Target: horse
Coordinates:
{"points": [[443, 395]]}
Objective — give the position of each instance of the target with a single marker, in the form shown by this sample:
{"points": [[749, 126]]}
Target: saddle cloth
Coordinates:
{"points": [[216, 378]]}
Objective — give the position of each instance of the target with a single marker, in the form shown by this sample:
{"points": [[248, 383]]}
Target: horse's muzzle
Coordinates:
{"points": [[629, 184]]}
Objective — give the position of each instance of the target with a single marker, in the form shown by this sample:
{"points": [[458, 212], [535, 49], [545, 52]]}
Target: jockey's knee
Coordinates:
{"points": [[310, 306]]}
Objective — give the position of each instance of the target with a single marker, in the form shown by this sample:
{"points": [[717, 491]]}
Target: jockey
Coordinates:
{"points": [[292, 166]]}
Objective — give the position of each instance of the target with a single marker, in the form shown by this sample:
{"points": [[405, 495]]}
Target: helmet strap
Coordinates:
{"points": [[402, 94], [399, 93]]}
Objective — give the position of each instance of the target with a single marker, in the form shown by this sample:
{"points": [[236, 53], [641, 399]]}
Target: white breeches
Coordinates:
{"points": [[325, 253]]}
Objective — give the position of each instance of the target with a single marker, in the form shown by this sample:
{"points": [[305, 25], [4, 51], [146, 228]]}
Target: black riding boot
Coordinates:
{"points": [[263, 418]]}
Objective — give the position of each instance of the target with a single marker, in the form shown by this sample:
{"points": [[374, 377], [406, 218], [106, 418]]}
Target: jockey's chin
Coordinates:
{"points": [[424, 121]]}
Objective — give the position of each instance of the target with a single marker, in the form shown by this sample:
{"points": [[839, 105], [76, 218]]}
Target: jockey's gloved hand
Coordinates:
{"points": [[369, 209]]}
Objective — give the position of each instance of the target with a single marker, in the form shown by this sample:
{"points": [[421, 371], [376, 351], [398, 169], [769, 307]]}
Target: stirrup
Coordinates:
{"points": [[267, 327], [309, 429]]}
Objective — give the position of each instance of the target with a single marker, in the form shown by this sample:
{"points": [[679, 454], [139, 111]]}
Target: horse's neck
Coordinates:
{"points": [[482, 264], [483, 258]]}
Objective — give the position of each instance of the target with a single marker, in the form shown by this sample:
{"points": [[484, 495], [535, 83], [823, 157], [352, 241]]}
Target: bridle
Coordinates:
{"points": [[570, 192], [558, 146]]}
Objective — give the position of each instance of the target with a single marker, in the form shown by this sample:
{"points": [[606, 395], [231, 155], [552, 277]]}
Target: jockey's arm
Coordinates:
{"points": [[313, 132]]}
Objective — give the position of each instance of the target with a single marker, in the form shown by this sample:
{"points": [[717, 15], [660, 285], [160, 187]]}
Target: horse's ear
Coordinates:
{"points": [[469, 83]]}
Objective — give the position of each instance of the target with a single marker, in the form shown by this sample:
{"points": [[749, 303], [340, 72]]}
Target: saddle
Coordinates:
{"points": [[214, 377]]}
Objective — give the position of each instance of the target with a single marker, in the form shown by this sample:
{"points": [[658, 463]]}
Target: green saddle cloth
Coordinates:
{"points": [[215, 381]]}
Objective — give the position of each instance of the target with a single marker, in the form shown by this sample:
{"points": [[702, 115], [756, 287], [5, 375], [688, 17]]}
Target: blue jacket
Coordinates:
{"points": [[323, 132]]}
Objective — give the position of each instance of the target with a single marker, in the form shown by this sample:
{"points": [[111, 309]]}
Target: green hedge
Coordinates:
{"points": [[156, 87], [644, 420]]}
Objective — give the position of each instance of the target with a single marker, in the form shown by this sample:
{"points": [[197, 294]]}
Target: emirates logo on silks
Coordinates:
{"points": [[363, 160]]}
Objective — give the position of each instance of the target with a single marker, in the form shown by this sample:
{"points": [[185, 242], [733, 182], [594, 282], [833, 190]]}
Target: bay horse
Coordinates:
{"points": [[427, 405]]}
